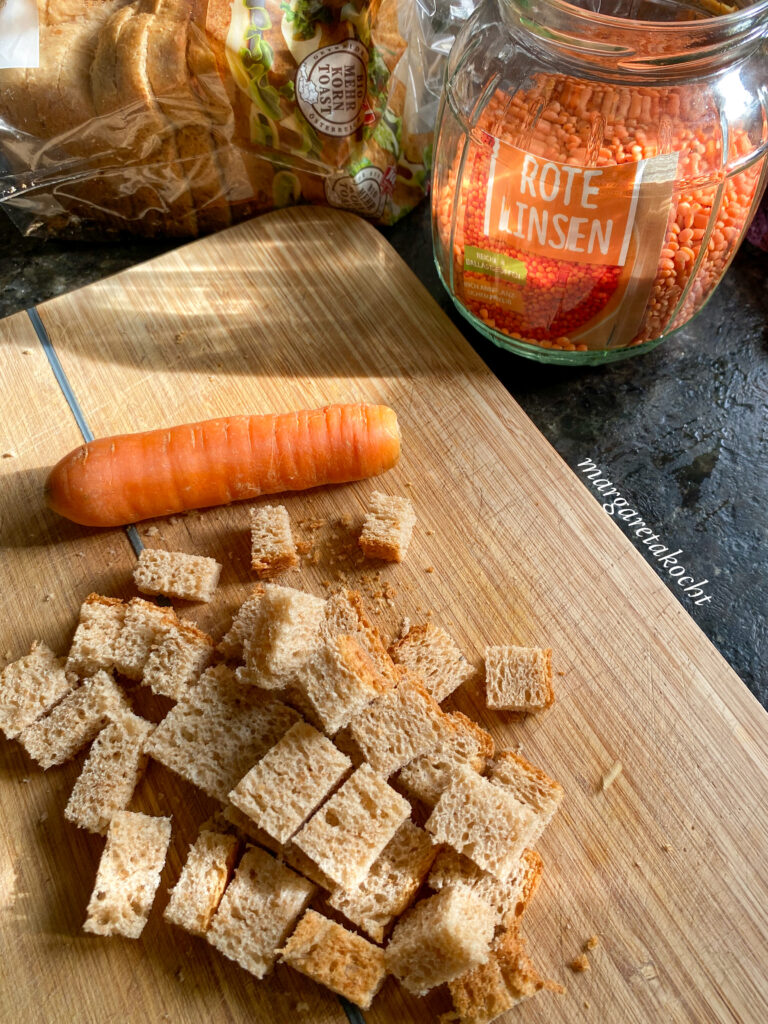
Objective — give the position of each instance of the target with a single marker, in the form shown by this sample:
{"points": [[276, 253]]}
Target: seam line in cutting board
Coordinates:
{"points": [[74, 406], [352, 1012]]}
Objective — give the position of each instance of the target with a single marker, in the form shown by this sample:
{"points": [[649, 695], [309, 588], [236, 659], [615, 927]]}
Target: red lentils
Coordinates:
{"points": [[565, 121]]}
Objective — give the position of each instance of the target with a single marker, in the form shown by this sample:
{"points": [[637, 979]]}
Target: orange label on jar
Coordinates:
{"points": [[559, 252], [583, 214]]}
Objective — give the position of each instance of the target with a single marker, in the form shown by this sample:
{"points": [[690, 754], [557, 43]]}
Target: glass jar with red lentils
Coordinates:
{"points": [[596, 167]]}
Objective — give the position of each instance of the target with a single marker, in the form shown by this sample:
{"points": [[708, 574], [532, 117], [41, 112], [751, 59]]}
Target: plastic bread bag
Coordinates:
{"points": [[180, 117]]}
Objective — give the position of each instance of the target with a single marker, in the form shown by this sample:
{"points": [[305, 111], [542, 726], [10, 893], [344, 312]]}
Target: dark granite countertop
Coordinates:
{"points": [[681, 432]]}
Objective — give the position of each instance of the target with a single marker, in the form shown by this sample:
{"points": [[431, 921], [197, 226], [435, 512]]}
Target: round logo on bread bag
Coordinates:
{"points": [[331, 87], [364, 193]]}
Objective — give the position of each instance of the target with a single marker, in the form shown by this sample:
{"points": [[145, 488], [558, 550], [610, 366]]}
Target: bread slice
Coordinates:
{"points": [[390, 885], [337, 681], [426, 777], [281, 791], [143, 625], [508, 897], [431, 653], [128, 875], [345, 615], [95, 641], [351, 829], [501, 983], [74, 721], [529, 784], [244, 624], [218, 732], [439, 939], [196, 896], [111, 772], [31, 686], [332, 956], [272, 546], [176, 661], [399, 725], [176, 574], [258, 911], [519, 678], [151, 135], [484, 822], [288, 629], [387, 527], [176, 97]]}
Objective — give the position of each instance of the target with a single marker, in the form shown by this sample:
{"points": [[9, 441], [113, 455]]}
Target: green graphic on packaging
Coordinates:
{"points": [[486, 261]]}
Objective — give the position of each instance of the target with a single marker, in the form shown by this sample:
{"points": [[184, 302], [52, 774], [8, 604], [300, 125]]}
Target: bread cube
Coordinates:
{"points": [[217, 732], [402, 723], [196, 896], [506, 978], [143, 625], [258, 910], [484, 822], [431, 653], [387, 527], [94, 644], [508, 897], [426, 777], [519, 678], [272, 546], [332, 956], [180, 654], [111, 772], [31, 686], [337, 681], [345, 615], [74, 721], [289, 628], [529, 784], [351, 829], [439, 939], [281, 791], [244, 624], [176, 574], [128, 875], [390, 885]]}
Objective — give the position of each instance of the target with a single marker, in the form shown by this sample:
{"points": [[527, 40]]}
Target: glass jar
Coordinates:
{"points": [[594, 172]]}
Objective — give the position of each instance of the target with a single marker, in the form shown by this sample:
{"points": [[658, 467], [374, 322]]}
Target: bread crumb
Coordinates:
{"points": [[665, 846], [174, 520], [43, 818], [586, 1005], [8, 655], [303, 547], [592, 942], [26, 351], [561, 673], [430, 533], [47, 598], [430, 568], [611, 775], [179, 975], [9, 455], [302, 1007], [179, 337], [405, 627], [580, 964]]}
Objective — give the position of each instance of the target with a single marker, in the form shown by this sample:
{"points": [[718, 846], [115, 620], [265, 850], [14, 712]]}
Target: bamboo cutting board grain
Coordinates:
{"points": [[300, 308]]}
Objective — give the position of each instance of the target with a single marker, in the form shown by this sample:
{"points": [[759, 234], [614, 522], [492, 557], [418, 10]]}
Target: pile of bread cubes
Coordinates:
{"points": [[342, 781]]}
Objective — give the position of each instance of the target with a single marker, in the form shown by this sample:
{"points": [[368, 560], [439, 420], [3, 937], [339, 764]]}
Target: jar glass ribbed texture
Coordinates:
{"points": [[596, 168]]}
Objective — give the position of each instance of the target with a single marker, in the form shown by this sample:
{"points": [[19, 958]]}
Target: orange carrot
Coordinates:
{"points": [[117, 480]]}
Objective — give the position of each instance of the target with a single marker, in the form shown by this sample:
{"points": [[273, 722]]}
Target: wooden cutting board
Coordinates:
{"points": [[309, 306]]}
